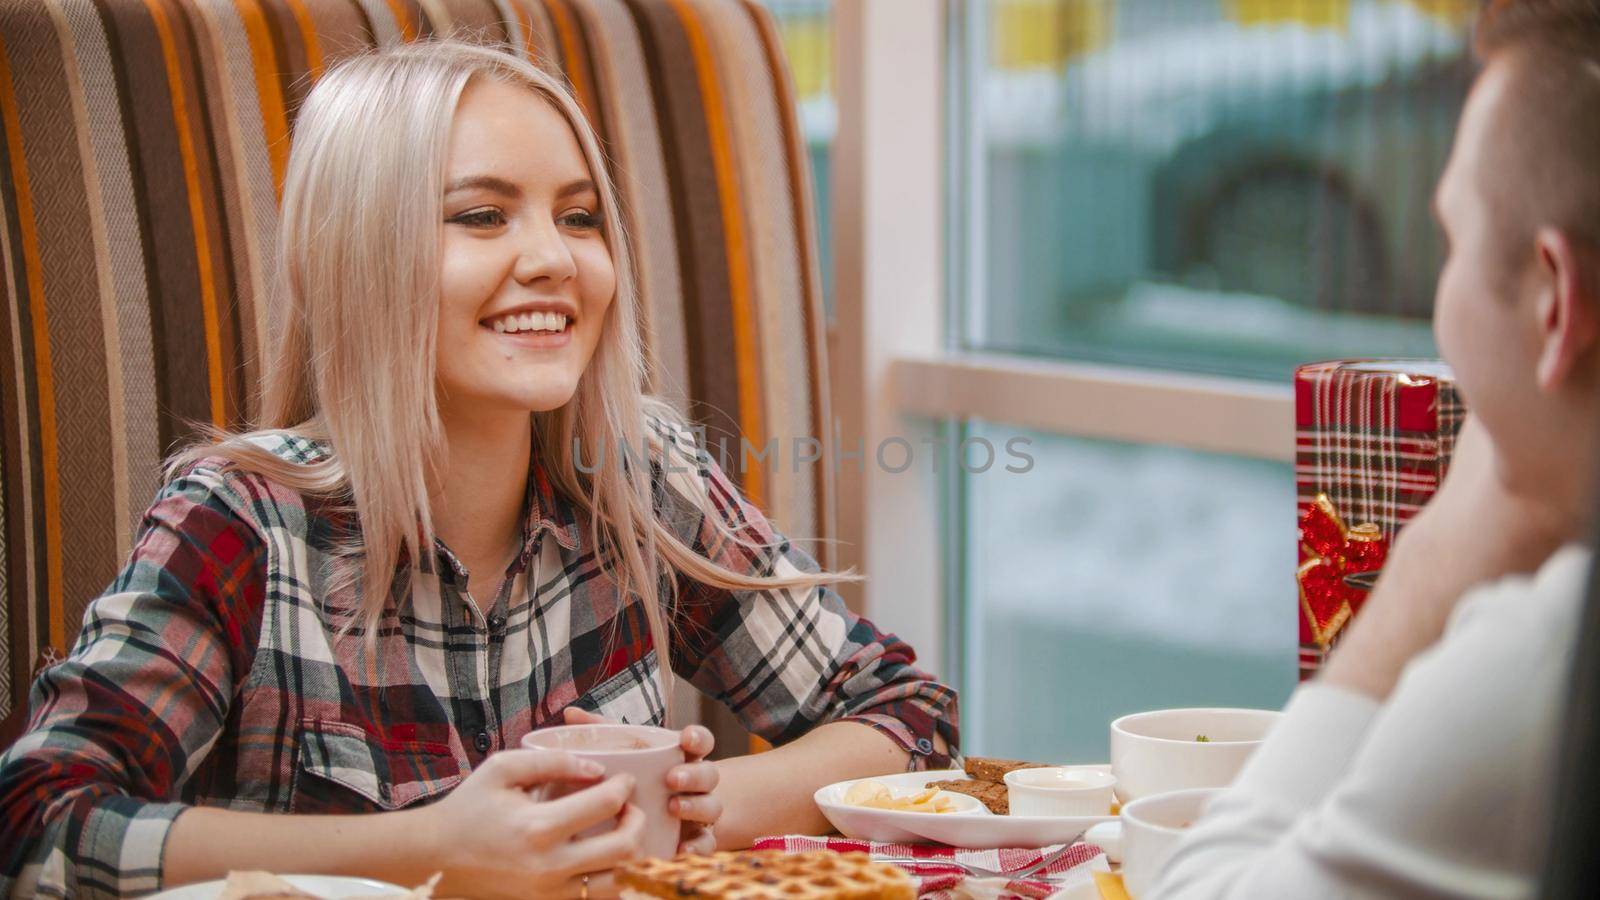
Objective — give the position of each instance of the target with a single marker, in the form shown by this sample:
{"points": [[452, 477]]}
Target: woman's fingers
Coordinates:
{"points": [[697, 742], [694, 778], [702, 808], [590, 806], [601, 886], [698, 840], [603, 851], [575, 716], [526, 768]]}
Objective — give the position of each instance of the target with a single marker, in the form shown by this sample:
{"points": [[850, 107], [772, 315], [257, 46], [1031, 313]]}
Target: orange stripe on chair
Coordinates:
{"points": [[41, 353], [408, 29], [269, 94], [577, 66], [308, 37], [744, 337], [197, 210]]}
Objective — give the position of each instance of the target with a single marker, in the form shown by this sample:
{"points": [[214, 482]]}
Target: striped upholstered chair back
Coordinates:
{"points": [[145, 142]]}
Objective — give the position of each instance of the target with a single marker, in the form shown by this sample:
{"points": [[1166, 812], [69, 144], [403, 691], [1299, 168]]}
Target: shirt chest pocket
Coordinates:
{"points": [[632, 695], [343, 768]]}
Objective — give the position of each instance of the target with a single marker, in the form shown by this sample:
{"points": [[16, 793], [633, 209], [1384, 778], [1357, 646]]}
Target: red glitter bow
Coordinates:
{"points": [[1333, 553]]}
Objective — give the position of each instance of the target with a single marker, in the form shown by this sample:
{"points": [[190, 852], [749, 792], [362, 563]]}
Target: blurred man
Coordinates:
{"points": [[1421, 762]]}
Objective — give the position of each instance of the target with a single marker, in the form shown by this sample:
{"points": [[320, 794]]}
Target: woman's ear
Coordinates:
{"points": [[1569, 320]]}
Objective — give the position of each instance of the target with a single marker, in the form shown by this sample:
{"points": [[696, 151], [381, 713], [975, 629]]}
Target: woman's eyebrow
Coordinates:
{"points": [[488, 182], [581, 186]]}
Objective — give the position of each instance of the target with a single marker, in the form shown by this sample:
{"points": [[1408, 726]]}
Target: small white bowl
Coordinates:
{"points": [[1060, 791], [1149, 831], [1157, 752]]}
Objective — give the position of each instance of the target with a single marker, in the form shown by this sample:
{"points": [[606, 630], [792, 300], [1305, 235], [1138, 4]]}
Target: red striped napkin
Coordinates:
{"points": [[946, 882]]}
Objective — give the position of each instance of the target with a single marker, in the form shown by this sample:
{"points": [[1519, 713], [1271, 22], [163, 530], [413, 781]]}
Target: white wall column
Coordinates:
{"points": [[888, 227]]}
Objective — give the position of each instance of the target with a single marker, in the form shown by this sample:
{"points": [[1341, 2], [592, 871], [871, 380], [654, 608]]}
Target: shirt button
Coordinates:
{"points": [[924, 746], [482, 742], [496, 622]]}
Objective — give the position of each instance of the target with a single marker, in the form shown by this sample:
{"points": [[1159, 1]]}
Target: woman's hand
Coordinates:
{"points": [[497, 841], [692, 783]]}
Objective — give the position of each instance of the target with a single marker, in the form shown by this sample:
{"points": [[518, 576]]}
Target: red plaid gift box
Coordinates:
{"points": [[947, 882], [1372, 442]]}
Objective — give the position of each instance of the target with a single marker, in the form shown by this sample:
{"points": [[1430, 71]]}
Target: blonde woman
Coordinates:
{"points": [[362, 606]]}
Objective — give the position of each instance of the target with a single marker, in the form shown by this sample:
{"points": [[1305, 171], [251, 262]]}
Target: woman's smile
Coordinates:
{"points": [[532, 328]]}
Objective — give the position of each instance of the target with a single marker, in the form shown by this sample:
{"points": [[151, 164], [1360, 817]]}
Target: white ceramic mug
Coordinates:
{"points": [[1059, 791], [645, 752], [1147, 833], [1157, 752]]}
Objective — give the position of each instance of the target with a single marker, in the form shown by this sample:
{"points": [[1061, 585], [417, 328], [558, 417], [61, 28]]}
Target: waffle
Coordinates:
{"points": [[767, 875], [988, 793]]}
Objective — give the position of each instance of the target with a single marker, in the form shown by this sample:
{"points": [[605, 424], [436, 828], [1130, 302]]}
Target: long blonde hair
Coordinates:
{"points": [[356, 297]]}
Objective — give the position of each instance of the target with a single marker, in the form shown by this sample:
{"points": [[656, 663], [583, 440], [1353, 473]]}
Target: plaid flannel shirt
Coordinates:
{"points": [[209, 673]]}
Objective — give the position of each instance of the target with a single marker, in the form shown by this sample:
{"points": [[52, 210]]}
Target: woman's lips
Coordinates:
{"points": [[535, 340]]}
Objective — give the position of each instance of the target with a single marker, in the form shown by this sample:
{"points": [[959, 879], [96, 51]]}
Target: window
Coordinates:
{"points": [[1217, 187], [1112, 578]]}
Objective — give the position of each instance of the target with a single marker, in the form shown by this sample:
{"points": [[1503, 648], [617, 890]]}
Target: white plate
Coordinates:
{"points": [[329, 886], [888, 825], [969, 831]]}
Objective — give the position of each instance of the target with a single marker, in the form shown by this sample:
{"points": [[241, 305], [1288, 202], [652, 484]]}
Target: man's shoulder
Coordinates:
{"points": [[1457, 762], [1545, 601], [1508, 645]]}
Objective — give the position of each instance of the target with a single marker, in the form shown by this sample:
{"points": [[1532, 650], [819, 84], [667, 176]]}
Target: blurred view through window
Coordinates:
{"points": [[1114, 578], [1231, 186]]}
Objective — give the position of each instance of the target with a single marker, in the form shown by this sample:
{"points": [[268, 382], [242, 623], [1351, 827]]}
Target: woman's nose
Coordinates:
{"points": [[541, 253]]}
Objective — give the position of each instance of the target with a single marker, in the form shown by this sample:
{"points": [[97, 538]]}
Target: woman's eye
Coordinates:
{"points": [[480, 218], [582, 220]]}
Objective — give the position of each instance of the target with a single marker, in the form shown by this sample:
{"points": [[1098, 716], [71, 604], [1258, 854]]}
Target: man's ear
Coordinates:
{"points": [[1568, 307]]}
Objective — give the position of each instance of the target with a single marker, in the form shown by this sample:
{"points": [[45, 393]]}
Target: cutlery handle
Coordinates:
{"points": [[1108, 837]]}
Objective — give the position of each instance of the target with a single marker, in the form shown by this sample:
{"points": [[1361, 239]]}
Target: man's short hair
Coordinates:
{"points": [[1545, 142], [1569, 25]]}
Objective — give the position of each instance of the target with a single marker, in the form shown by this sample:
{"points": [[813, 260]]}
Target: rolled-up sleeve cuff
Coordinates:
{"points": [[921, 750], [120, 849]]}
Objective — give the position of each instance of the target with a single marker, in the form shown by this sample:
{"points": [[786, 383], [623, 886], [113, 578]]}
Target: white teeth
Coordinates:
{"points": [[531, 321]]}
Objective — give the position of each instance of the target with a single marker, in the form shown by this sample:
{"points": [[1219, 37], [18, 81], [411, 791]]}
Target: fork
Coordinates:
{"points": [[979, 871]]}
